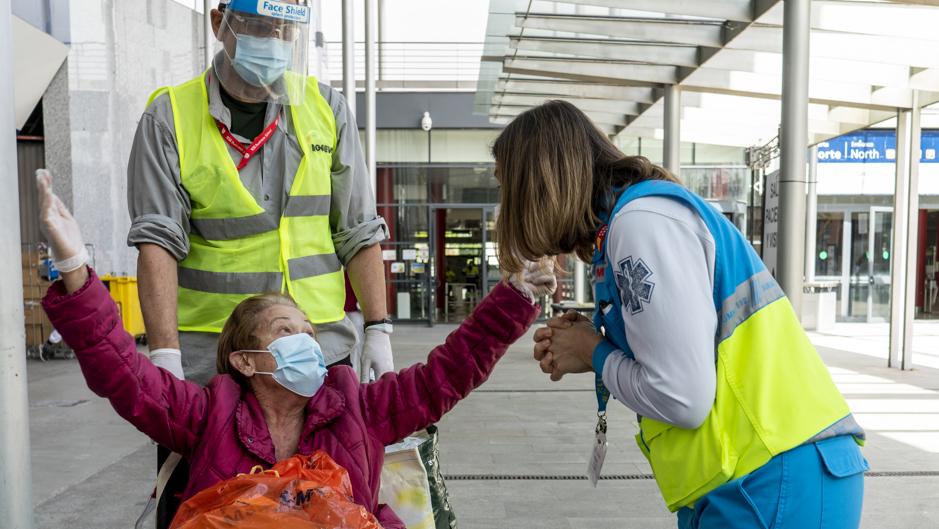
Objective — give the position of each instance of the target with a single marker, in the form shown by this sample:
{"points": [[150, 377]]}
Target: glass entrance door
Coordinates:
{"points": [[463, 259], [871, 235], [406, 254]]}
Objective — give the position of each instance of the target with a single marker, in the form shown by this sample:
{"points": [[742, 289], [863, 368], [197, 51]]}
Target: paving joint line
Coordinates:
{"points": [[567, 390], [634, 477]]}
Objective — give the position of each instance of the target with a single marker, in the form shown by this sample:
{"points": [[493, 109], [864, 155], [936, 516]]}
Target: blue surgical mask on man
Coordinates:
{"points": [[301, 367], [261, 61]]}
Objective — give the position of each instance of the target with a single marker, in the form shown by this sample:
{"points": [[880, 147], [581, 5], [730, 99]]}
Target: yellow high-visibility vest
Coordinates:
{"points": [[773, 391], [239, 249]]}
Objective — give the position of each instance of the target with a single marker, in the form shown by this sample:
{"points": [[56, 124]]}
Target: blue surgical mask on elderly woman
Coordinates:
{"points": [[301, 367]]}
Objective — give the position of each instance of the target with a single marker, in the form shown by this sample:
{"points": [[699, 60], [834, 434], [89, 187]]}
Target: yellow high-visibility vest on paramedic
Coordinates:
{"points": [[773, 391]]}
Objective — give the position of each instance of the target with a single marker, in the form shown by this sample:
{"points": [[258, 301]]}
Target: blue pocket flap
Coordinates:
{"points": [[842, 456]]}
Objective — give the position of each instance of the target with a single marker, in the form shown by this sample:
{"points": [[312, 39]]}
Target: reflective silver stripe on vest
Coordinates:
{"points": [[235, 228], [313, 265], [230, 282], [846, 426], [752, 295], [307, 205]]}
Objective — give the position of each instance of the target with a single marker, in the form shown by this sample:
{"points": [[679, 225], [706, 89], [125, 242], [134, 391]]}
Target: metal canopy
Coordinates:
{"points": [[613, 58]]}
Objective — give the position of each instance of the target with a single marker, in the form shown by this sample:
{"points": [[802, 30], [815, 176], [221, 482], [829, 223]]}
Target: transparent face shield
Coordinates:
{"points": [[262, 50]]}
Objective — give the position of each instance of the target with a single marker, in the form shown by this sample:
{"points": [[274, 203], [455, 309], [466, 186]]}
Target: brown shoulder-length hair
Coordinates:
{"points": [[558, 174], [239, 330]]}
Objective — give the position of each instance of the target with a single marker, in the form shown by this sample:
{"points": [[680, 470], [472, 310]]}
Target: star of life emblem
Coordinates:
{"points": [[632, 277]]}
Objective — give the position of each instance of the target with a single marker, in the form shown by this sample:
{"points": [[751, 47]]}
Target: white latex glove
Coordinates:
{"points": [[536, 280], [376, 354], [59, 227], [170, 360]]}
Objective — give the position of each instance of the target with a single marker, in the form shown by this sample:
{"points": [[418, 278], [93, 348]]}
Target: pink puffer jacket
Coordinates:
{"points": [[221, 430]]}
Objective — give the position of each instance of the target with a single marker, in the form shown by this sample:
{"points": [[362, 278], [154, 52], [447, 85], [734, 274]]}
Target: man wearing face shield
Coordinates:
{"points": [[250, 178]]}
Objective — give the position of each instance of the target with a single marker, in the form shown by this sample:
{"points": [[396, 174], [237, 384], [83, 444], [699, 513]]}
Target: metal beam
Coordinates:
{"points": [[898, 268], [934, 3], [16, 503], [793, 140], [745, 119], [735, 57], [823, 92], [739, 10], [371, 66], [713, 135], [627, 74], [506, 119], [764, 63], [706, 79], [208, 35], [811, 216], [912, 236], [834, 69], [925, 79], [348, 53], [855, 116], [580, 283], [607, 118], [675, 31], [671, 156], [617, 50], [599, 105], [568, 88], [879, 49], [870, 18]]}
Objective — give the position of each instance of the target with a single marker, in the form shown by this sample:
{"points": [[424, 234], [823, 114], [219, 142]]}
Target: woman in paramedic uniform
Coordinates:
{"points": [[738, 416]]}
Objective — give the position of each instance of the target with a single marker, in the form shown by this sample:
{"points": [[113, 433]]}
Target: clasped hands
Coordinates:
{"points": [[566, 345]]}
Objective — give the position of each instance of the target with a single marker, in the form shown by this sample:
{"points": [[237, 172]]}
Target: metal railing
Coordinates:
{"points": [[91, 66], [414, 61]]}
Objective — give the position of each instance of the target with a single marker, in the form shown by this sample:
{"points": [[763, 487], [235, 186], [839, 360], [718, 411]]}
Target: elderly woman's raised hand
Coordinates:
{"points": [[536, 279], [61, 230]]}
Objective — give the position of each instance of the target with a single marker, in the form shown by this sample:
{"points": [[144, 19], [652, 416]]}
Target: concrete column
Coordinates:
{"points": [[811, 216], [898, 241], [348, 53], [208, 34], [671, 148], [793, 139], [371, 44], [912, 235], [16, 503], [580, 280]]}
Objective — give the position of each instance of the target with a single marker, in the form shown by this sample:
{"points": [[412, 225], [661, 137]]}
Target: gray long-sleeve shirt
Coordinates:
{"points": [[159, 205]]}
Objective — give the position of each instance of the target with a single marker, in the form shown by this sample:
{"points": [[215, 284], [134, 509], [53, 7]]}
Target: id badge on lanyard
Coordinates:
{"points": [[598, 455]]}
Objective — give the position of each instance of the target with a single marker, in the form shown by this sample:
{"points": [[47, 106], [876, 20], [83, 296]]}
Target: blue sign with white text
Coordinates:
{"points": [[874, 146]]}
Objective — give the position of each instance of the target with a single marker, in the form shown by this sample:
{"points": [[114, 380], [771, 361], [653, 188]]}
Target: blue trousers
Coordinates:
{"points": [[815, 486]]}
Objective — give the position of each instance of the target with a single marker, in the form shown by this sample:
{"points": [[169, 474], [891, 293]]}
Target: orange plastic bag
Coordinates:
{"points": [[303, 492]]}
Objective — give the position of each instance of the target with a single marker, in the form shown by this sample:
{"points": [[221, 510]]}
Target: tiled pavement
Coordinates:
{"points": [[90, 470]]}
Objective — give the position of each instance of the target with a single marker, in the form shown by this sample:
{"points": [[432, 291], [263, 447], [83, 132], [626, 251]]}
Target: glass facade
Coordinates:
{"points": [[854, 245], [438, 193], [869, 297], [440, 258]]}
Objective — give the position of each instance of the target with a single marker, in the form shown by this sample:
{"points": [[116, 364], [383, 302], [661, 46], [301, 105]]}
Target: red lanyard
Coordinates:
{"points": [[248, 152]]}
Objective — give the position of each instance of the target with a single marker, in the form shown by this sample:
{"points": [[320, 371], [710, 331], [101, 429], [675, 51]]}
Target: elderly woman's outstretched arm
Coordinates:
{"points": [[399, 404], [168, 410]]}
